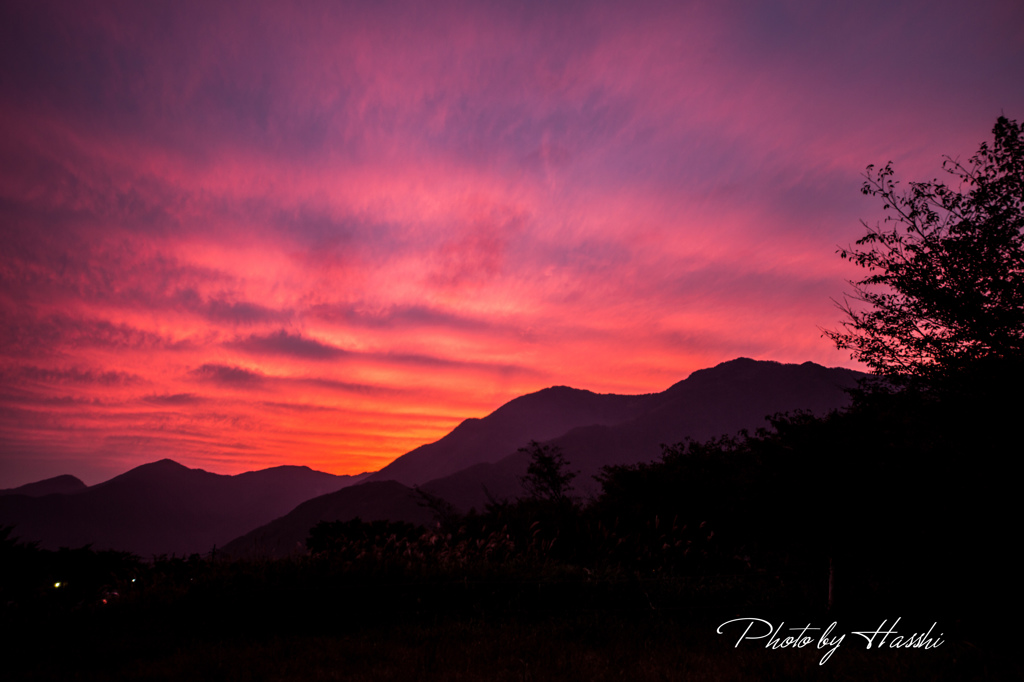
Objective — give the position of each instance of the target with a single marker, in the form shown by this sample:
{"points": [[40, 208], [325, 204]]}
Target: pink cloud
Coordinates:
{"points": [[254, 235]]}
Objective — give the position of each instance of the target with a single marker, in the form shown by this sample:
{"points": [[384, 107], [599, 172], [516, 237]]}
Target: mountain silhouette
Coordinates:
{"points": [[370, 501], [58, 485], [722, 400], [538, 416], [165, 508]]}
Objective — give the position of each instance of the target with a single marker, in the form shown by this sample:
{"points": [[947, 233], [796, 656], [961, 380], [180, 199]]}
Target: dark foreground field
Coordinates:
{"points": [[583, 647], [305, 620]]}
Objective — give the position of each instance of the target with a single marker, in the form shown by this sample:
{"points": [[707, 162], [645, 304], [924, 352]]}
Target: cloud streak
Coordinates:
{"points": [[283, 343]]}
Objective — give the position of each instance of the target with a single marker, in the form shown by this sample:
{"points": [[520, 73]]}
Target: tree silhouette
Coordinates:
{"points": [[547, 478], [946, 282]]}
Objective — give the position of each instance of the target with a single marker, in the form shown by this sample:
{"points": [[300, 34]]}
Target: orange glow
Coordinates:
{"points": [[273, 238]]}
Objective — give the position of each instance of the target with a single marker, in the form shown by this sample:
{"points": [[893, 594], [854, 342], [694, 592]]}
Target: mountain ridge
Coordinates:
{"points": [[65, 484], [759, 388], [721, 400], [164, 507], [547, 412]]}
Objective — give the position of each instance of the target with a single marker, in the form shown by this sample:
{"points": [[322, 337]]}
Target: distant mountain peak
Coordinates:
{"points": [[282, 467], [742, 366], [745, 363], [65, 484], [164, 507], [721, 400], [164, 464]]}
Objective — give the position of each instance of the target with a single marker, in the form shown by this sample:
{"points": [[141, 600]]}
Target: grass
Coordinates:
{"points": [[521, 617], [589, 647], [280, 621]]}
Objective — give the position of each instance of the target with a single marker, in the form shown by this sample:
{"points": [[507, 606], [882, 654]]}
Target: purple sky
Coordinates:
{"points": [[247, 234]]}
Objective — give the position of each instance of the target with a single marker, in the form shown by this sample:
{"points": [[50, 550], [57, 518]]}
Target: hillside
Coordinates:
{"points": [[165, 508]]}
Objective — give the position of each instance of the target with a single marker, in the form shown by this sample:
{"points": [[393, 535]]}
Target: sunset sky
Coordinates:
{"points": [[247, 234]]}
